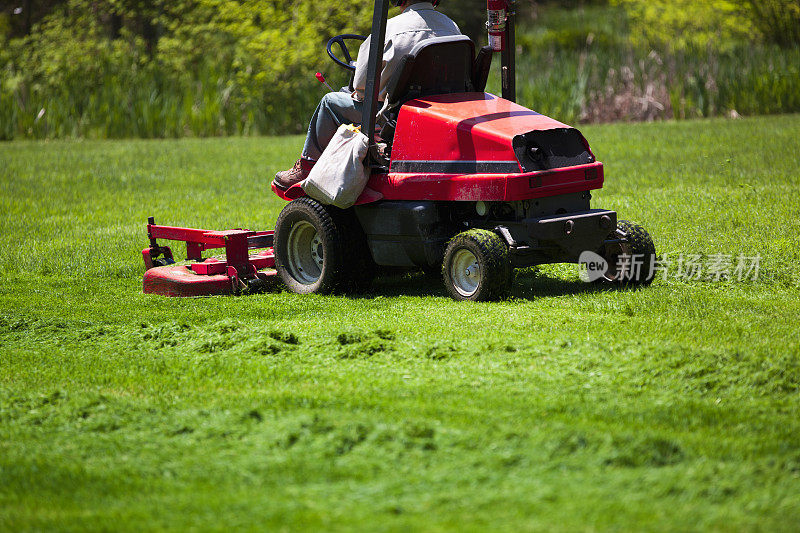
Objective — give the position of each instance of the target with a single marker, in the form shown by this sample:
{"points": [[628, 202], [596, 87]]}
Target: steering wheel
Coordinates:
{"points": [[340, 40]]}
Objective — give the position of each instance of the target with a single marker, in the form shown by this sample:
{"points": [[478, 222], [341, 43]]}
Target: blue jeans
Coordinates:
{"points": [[333, 110]]}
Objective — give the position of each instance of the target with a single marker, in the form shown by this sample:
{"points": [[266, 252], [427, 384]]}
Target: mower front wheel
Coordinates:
{"points": [[309, 248], [476, 266]]}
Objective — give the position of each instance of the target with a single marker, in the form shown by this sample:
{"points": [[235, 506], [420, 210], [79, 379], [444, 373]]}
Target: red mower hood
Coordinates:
{"points": [[466, 127], [479, 147]]}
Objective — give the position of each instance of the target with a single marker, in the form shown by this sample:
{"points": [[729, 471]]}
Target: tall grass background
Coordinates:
{"points": [[580, 65]]}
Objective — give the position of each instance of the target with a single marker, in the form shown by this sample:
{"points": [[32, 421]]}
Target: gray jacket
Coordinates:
{"points": [[416, 23]]}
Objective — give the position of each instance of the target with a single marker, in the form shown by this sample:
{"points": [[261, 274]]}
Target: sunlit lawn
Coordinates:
{"points": [[567, 407]]}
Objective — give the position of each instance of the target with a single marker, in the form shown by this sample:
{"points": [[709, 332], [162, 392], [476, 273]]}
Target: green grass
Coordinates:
{"points": [[565, 408]]}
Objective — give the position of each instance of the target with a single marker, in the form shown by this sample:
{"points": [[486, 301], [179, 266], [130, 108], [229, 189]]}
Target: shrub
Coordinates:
{"points": [[777, 20], [678, 25], [196, 67]]}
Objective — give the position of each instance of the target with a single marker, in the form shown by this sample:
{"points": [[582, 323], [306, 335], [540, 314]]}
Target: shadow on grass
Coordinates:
{"points": [[530, 284]]}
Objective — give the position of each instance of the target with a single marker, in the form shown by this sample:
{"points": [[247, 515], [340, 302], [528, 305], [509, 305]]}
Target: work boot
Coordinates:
{"points": [[296, 174]]}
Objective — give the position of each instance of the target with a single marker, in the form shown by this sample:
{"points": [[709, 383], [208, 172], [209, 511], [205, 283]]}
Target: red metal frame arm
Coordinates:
{"points": [[200, 236], [207, 238], [198, 240]]}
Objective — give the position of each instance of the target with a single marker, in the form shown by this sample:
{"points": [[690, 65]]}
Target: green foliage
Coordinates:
{"points": [[136, 68], [270, 51], [777, 20], [580, 65], [260, 78], [679, 25], [572, 30], [567, 408], [5, 27], [154, 77]]}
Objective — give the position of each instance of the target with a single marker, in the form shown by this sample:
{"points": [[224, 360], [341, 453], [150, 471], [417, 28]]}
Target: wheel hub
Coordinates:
{"points": [[305, 253], [465, 272], [618, 256]]}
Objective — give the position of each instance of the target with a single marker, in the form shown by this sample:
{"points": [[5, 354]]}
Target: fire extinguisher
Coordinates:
{"points": [[496, 24]]}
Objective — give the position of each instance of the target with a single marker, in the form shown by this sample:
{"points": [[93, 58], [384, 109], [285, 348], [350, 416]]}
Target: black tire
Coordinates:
{"points": [[361, 268], [638, 247], [309, 249], [476, 266]]}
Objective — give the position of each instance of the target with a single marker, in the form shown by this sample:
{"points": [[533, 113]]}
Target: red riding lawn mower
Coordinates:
{"points": [[462, 182]]}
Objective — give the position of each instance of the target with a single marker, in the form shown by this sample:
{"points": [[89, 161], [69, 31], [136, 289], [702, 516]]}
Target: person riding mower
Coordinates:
{"points": [[468, 183], [418, 21], [465, 182]]}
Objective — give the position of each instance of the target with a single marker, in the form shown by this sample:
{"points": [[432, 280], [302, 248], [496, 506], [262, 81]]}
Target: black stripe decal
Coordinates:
{"points": [[456, 167]]}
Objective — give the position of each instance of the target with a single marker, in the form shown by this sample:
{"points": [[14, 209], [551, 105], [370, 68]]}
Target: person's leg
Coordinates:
{"points": [[334, 110]]}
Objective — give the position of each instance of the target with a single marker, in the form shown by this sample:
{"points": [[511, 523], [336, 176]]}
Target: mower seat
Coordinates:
{"points": [[434, 66], [482, 67], [440, 65]]}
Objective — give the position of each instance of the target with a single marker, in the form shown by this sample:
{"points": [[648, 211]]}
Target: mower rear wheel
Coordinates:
{"points": [[309, 250], [476, 266]]}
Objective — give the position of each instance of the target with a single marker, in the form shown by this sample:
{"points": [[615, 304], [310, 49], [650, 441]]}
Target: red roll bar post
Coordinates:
{"points": [[502, 38]]}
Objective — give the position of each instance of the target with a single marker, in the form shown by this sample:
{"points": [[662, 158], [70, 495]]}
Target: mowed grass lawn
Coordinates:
{"points": [[568, 407]]}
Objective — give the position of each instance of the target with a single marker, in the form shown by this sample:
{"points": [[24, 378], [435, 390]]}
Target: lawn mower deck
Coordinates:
{"points": [[235, 272]]}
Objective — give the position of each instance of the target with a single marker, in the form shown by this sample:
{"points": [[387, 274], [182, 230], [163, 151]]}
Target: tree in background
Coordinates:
{"points": [[202, 67], [683, 24], [154, 68], [777, 20], [174, 67]]}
